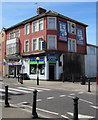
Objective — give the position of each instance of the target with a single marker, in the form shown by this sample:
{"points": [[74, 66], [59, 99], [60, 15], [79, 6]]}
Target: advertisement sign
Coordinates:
{"points": [[80, 36], [62, 31]]}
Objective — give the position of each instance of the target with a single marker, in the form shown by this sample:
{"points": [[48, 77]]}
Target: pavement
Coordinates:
{"points": [[10, 112]]}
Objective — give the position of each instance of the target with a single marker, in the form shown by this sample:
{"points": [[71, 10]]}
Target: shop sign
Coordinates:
{"points": [[62, 28], [34, 61], [80, 36], [52, 57], [17, 63]]}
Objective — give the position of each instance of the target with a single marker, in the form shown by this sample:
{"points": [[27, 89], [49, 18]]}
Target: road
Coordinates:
{"points": [[52, 103]]}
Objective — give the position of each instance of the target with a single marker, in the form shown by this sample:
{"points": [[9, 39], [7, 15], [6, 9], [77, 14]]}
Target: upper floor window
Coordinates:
{"points": [[52, 42], [41, 25], [51, 23], [71, 27], [72, 45], [38, 25], [35, 27], [34, 44], [26, 46], [27, 29], [14, 34]]}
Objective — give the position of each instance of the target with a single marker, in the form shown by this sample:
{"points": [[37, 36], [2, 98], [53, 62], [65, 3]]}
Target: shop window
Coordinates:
{"points": [[71, 27], [33, 69], [42, 69], [27, 29], [51, 23], [26, 45], [72, 45], [52, 42]]}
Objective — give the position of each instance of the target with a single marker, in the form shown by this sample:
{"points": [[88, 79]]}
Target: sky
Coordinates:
{"points": [[85, 12]]}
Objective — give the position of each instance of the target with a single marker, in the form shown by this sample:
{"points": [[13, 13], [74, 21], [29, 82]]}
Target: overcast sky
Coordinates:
{"points": [[15, 12]]}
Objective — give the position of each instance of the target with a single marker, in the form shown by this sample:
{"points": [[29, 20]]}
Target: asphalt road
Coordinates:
{"points": [[52, 103]]}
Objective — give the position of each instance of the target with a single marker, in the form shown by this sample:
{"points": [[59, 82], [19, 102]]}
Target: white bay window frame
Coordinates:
{"points": [[71, 45], [50, 42], [50, 26]]}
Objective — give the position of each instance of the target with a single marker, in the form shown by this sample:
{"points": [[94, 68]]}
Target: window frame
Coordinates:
{"points": [[14, 34], [37, 25], [28, 24], [68, 22], [36, 44], [55, 42], [48, 23], [70, 39], [25, 46]]}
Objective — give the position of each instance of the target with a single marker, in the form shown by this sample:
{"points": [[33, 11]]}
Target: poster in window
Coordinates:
{"points": [[62, 28], [80, 36]]}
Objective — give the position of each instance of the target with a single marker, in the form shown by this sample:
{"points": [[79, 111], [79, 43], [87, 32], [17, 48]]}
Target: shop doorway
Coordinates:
{"points": [[51, 72]]}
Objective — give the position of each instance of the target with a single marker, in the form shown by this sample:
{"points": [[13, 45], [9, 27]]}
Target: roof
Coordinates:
{"points": [[92, 45], [47, 13]]}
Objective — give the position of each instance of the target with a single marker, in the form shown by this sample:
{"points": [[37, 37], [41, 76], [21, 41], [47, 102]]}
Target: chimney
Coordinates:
{"points": [[40, 10]]}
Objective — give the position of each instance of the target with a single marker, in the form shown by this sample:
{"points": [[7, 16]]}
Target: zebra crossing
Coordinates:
{"points": [[21, 90]]}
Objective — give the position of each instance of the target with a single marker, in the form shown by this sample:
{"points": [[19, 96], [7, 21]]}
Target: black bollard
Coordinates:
{"points": [[34, 113], [75, 117], [89, 85], [6, 97]]}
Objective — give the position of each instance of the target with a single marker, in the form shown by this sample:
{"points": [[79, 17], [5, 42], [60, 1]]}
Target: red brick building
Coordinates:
{"points": [[50, 36]]}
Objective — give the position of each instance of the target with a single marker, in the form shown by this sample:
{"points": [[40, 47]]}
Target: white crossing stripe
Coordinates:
{"points": [[48, 98], [72, 94], [9, 91], [19, 90], [40, 88], [81, 115], [64, 116], [86, 101], [96, 107], [80, 92], [38, 100], [28, 89], [62, 95]]}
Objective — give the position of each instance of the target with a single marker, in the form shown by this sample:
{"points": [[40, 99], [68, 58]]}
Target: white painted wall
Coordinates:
{"points": [[90, 63]]}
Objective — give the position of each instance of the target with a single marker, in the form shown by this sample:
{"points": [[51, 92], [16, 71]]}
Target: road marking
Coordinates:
{"points": [[49, 98], [81, 116], [40, 88], [20, 90], [9, 91], [38, 100], [80, 92], [28, 89], [62, 95], [47, 111], [43, 110], [64, 116], [72, 94], [86, 101], [96, 107]]}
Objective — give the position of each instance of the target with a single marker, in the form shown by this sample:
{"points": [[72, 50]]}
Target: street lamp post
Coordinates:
{"points": [[37, 59]]}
